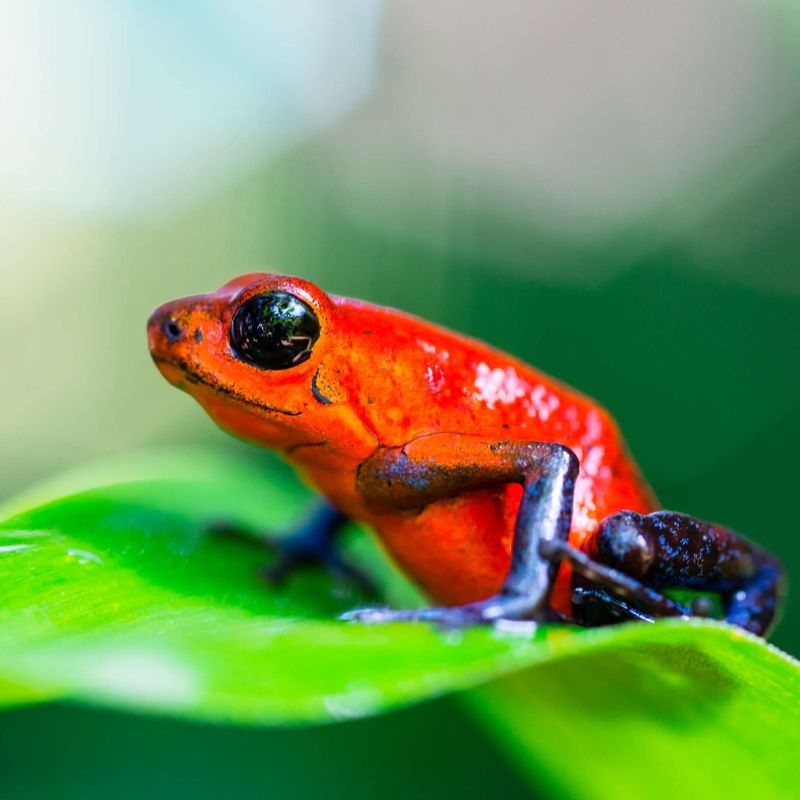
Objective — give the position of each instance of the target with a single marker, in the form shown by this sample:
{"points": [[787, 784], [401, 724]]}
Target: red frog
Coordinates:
{"points": [[504, 494]]}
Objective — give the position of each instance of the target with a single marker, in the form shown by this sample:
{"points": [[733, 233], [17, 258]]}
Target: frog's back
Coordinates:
{"points": [[418, 378], [411, 378]]}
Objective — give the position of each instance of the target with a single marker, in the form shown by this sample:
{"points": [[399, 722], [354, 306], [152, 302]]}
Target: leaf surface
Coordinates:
{"points": [[114, 592]]}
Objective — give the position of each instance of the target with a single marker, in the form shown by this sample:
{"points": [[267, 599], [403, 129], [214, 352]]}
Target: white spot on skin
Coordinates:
{"points": [[494, 386], [583, 518], [594, 458], [428, 348], [542, 403], [431, 350], [505, 386], [434, 374], [434, 377], [592, 468], [594, 427]]}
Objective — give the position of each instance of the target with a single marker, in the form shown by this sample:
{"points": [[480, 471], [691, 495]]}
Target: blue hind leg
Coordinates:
{"points": [[667, 550]]}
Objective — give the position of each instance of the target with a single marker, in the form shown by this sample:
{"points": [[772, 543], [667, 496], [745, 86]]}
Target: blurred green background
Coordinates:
{"points": [[608, 191]]}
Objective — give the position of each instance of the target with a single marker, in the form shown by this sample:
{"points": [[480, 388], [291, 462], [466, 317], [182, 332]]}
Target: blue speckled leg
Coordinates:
{"points": [[610, 587], [668, 550]]}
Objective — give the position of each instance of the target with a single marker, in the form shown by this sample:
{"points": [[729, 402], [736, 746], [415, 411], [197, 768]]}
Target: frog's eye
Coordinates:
{"points": [[275, 330]]}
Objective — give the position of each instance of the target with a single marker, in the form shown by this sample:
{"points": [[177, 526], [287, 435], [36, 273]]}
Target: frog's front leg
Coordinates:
{"points": [[439, 466], [312, 542]]}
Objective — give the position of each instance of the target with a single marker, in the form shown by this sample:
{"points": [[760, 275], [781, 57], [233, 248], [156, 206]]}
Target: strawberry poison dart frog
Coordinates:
{"points": [[504, 494]]}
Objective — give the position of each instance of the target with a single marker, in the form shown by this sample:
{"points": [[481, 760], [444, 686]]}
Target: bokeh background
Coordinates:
{"points": [[606, 189]]}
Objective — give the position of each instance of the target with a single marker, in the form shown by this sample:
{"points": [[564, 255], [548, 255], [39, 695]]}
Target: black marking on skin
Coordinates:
{"points": [[196, 378], [318, 396], [198, 336], [295, 447]]}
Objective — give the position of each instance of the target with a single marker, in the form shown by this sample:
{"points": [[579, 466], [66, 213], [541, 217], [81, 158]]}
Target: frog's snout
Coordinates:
{"points": [[164, 329], [175, 329], [168, 337], [172, 330]]}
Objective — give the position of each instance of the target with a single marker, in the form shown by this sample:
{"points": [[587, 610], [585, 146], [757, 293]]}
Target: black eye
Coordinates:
{"points": [[274, 331]]}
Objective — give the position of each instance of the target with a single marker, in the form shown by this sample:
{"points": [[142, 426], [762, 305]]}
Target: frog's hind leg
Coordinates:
{"points": [[634, 556], [311, 543], [610, 589]]}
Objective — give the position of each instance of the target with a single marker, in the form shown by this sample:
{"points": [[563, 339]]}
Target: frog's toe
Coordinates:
{"points": [[375, 615], [290, 559], [311, 544], [481, 613]]}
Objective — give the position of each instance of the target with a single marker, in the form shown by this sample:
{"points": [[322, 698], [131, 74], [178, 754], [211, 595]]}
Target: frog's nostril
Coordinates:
{"points": [[171, 330]]}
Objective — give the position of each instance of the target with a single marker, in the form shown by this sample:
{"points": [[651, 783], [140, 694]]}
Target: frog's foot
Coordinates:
{"points": [[498, 608], [310, 545], [633, 596]]}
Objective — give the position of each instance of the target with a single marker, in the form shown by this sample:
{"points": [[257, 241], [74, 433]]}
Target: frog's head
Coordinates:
{"points": [[253, 354]]}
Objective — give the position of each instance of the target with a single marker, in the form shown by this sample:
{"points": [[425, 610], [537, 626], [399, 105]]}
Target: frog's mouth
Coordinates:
{"points": [[176, 371]]}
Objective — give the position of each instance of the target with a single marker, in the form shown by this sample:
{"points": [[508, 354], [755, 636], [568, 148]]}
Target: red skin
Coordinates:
{"points": [[392, 378]]}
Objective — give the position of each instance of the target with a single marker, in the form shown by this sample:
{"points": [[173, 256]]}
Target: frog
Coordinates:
{"points": [[504, 494]]}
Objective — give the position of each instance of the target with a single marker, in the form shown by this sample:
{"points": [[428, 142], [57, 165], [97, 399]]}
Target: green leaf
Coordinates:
{"points": [[117, 594], [667, 710]]}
